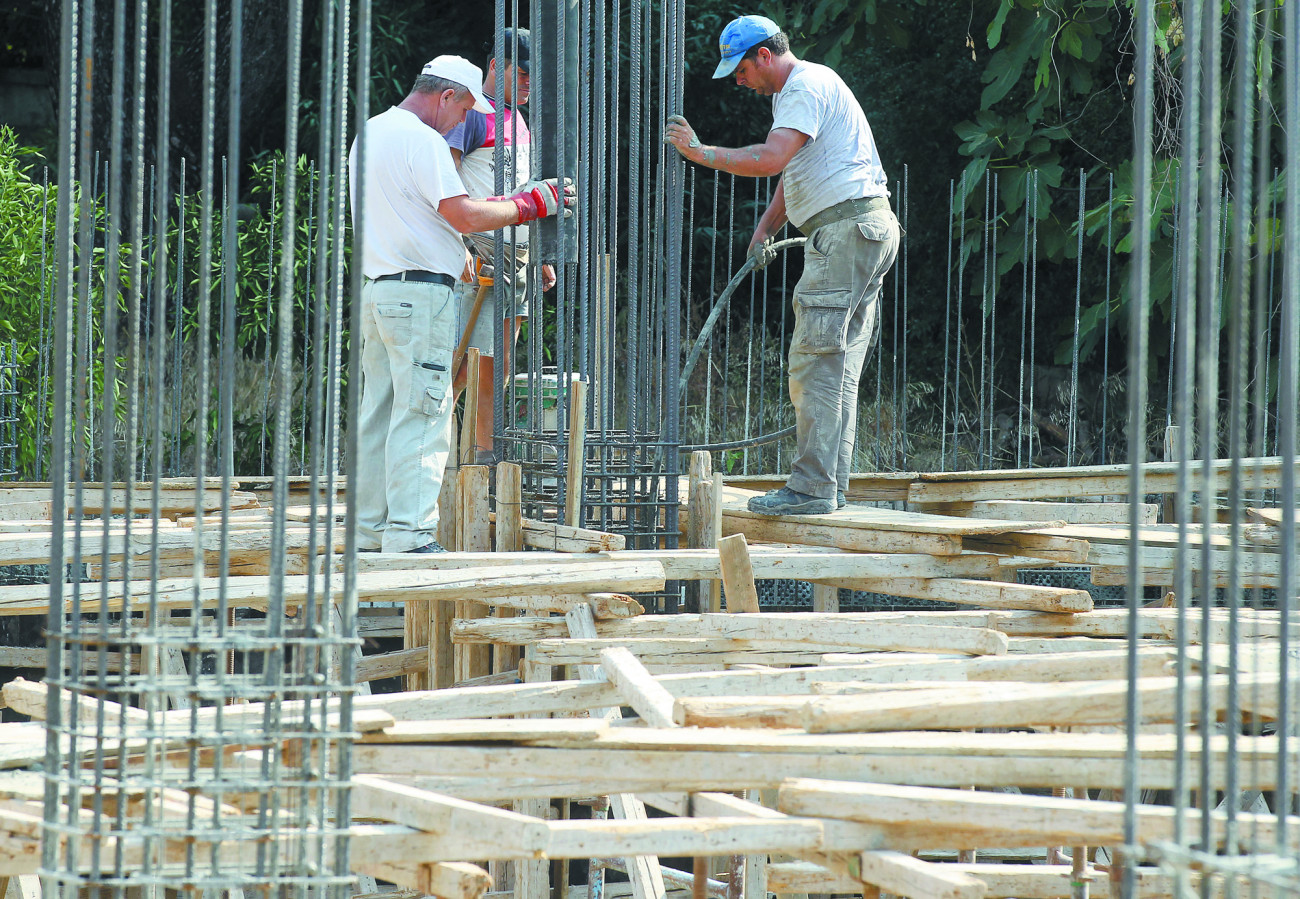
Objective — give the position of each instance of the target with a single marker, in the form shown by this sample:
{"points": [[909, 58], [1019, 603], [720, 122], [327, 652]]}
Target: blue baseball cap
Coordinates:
{"points": [[739, 35]]}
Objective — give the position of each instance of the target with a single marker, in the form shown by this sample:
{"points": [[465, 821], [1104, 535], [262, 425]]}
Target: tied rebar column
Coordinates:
{"points": [[629, 193], [194, 745]]}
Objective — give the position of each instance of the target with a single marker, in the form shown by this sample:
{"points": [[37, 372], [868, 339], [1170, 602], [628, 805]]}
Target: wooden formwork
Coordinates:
{"points": [[913, 753]]}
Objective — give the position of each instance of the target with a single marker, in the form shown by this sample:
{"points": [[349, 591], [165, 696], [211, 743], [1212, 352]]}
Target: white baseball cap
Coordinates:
{"points": [[462, 72]]}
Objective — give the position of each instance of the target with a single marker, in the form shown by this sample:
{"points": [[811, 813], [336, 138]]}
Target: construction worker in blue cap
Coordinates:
{"points": [[833, 188]]}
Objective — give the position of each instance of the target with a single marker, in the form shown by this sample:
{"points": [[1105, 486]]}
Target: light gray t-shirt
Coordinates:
{"points": [[840, 160]]}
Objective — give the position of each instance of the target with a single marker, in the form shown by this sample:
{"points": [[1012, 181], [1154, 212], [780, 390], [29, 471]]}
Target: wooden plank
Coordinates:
{"points": [[978, 818], [821, 530], [526, 582], [1001, 881], [694, 837], [809, 563], [889, 486], [1037, 510], [447, 880], [1117, 576], [571, 731], [637, 686], [402, 662], [1039, 667], [1263, 473], [1024, 705], [870, 518], [375, 797], [31, 657], [1268, 515], [468, 443], [32, 699], [904, 875], [36, 510], [448, 497], [737, 574], [1102, 623], [986, 594], [728, 760], [176, 496], [34, 549], [556, 537], [883, 637], [1033, 544], [642, 868]]}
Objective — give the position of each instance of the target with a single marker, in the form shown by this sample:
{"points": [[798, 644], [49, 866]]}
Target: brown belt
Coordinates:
{"points": [[845, 210]]}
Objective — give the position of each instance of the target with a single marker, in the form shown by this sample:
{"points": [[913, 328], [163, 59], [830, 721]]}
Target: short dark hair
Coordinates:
{"points": [[432, 84], [778, 44]]}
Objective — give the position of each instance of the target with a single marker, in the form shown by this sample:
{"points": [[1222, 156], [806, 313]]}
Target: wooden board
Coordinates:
{"points": [[1060, 483], [651, 760], [1037, 510], [810, 563], [531, 583]]}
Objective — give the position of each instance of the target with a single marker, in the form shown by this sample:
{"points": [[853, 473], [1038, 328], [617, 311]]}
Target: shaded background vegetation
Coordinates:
{"points": [[954, 91]]}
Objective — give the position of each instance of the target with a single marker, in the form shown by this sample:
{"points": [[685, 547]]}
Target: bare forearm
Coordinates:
{"points": [[774, 216], [466, 215], [754, 161]]}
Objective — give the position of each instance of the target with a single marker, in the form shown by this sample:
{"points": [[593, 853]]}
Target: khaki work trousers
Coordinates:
{"points": [[836, 319]]}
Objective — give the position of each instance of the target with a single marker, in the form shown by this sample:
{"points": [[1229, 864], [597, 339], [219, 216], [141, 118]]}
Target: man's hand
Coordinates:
{"points": [[540, 199], [467, 275], [681, 135], [760, 250], [548, 277]]}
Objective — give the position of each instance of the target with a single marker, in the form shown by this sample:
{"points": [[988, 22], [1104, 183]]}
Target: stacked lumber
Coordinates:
{"points": [[978, 752], [862, 772]]}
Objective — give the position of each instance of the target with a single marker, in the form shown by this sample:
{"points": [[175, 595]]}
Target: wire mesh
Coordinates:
{"points": [[626, 362], [196, 742]]}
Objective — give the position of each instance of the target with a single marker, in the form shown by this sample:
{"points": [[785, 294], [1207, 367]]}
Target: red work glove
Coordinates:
{"points": [[539, 199]]}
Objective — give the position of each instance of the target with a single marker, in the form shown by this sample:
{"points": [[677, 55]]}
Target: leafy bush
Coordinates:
{"points": [[28, 213]]}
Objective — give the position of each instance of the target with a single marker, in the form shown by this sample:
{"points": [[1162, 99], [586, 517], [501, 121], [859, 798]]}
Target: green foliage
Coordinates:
{"points": [[25, 267], [28, 210], [258, 252]]}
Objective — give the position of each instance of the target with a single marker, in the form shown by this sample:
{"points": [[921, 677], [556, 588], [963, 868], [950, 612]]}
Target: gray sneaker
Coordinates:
{"points": [[840, 501], [787, 502]]}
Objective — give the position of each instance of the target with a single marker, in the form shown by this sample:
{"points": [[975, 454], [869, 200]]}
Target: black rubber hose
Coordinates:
{"points": [[721, 304], [739, 444]]}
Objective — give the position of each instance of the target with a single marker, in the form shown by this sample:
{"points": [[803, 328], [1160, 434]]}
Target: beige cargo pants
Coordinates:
{"points": [[836, 319]]}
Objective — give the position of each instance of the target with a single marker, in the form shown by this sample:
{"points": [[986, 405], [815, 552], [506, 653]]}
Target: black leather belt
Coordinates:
{"points": [[425, 277], [840, 211]]}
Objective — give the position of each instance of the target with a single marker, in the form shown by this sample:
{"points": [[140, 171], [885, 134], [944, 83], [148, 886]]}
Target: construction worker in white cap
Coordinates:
{"points": [[412, 214], [834, 189]]}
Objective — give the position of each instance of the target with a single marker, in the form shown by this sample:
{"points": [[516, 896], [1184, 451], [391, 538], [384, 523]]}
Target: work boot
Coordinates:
{"points": [[840, 501], [788, 502], [432, 546]]}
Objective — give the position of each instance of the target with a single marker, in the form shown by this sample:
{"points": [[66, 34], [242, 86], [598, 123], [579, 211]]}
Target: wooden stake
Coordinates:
{"points": [[737, 574], [442, 661], [509, 538], [474, 529], [642, 870], [469, 420], [638, 687], [699, 499], [577, 449]]}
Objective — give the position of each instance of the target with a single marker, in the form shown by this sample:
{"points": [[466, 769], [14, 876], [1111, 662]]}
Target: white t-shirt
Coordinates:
{"points": [[840, 160], [409, 171]]}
